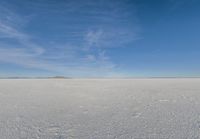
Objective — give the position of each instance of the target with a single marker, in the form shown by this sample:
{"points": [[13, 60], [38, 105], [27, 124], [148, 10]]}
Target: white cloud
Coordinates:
{"points": [[7, 31], [109, 37], [69, 58], [94, 37], [30, 55], [90, 57]]}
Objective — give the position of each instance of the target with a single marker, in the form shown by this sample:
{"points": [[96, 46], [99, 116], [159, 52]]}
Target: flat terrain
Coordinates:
{"points": [[100, 108]]}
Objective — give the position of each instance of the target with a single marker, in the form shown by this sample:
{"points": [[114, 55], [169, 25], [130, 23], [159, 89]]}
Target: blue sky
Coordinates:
{"points": [[99, 38]]}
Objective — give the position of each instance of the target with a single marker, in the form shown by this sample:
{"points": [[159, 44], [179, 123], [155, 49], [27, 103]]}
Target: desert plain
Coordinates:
{"points": [[153, 108]]}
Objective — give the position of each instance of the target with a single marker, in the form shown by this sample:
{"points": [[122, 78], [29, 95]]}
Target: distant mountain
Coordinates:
{"points": [[59, 77]]}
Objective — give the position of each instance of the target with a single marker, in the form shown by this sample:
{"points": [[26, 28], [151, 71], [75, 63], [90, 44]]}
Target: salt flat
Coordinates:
{"points": [[100, 108]]}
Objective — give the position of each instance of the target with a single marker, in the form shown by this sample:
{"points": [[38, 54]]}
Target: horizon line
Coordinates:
{"points": [[65, 77]]}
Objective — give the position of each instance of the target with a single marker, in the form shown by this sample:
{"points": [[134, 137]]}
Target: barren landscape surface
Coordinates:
{"points": [[100, 108]]}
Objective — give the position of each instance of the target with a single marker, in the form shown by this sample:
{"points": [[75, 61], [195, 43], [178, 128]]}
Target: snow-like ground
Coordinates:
{"points": [[100, 109]]}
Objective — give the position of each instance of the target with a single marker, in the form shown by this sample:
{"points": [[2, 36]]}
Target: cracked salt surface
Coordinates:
{"points": [[100, 109]]}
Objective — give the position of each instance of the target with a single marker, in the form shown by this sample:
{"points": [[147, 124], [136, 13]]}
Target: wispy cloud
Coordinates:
{"points": [[93, 38], [110, 38], [30, 55], [10, 24], [84, 52]]}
